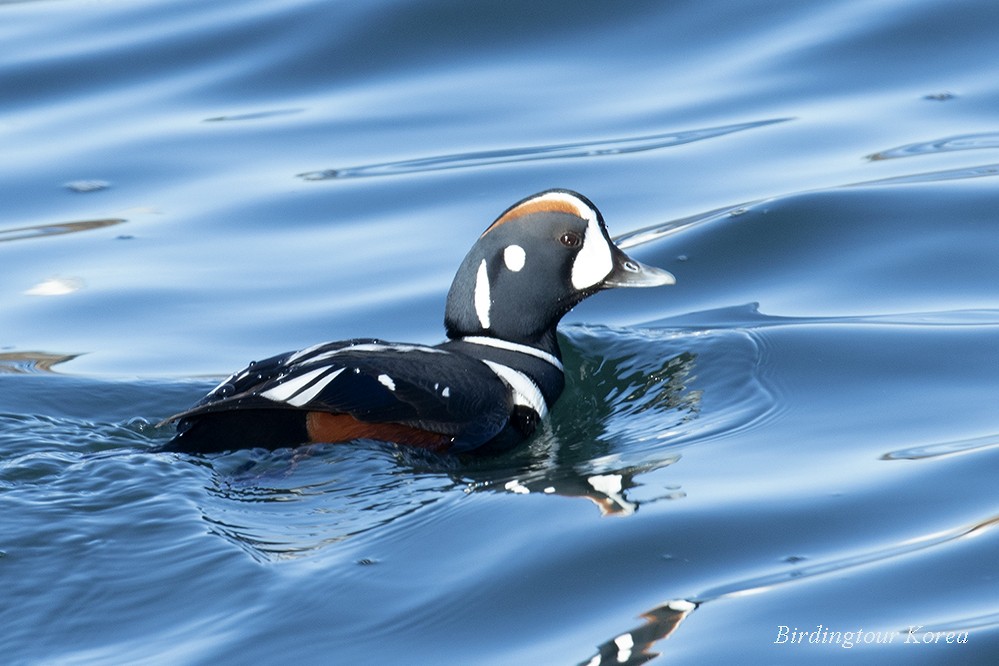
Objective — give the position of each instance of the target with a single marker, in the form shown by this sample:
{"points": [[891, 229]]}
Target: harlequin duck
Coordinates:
{"points": [[484, 390]]}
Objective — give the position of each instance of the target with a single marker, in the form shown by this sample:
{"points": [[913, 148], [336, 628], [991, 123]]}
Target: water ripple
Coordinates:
{"points": [[255, 115], [656, 231], [934, 176], [796, 573], [941, 449], [988, 620], [945, 145], [290, 504], [618, 146]]}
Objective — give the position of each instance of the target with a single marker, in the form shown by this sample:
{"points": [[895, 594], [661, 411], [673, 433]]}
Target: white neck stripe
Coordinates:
{"points": [[515, 347], [525, 391]]}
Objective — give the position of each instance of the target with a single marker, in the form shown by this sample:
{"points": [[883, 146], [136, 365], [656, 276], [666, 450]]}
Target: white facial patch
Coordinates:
{"points": [[593, 262], [482, 300], [387, 382], [514, 257]]}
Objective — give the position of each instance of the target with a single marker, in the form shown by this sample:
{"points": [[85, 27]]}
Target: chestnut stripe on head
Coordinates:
{"points": [[547, 202]]}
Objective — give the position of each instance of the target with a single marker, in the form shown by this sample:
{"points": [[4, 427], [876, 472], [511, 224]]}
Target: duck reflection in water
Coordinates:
{"points": [[268, 502], [635, 646]]}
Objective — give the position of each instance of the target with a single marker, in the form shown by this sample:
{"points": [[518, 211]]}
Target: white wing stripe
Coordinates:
{"points": [[285, 390], [308, 394], [294, 390], [370, 347], [303, 353]]}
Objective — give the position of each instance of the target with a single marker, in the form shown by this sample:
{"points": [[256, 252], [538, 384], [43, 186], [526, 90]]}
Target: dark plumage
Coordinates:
{"points": [[483, 390]]}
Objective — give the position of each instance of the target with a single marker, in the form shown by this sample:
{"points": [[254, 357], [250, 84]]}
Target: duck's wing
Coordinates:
{"points": [[375, 382]]}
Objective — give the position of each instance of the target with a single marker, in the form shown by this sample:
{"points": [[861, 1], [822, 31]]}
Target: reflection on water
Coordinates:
{"points": [[293, 504], [634, 647], [607, 491], [57, 229], [638, 383], [31, 361]]}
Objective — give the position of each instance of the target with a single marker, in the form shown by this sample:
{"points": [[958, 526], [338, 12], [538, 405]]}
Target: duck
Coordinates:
{"points": [[483, 390]]}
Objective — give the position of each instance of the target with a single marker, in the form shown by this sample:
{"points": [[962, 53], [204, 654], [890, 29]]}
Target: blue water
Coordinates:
{"points": [[800, 438]]}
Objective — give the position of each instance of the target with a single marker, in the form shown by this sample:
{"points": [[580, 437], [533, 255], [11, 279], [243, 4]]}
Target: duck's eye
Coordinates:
{"points": [[570, 239]]}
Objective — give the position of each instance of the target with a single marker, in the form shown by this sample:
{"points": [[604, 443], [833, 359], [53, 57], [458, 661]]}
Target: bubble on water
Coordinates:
{"points": [[84, 186]]}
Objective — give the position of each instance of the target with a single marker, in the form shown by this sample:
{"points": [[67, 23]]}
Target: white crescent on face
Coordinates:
{"points": [[593, 262]]}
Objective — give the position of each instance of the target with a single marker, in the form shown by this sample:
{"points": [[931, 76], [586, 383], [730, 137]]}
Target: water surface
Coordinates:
{"points": [[800, 436]]}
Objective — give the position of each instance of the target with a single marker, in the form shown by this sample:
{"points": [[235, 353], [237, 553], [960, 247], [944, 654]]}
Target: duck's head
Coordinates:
{"points": [[540, 258]]}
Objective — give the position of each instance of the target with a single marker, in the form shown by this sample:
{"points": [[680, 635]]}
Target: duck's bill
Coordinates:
{"points": [[630, 273]]}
